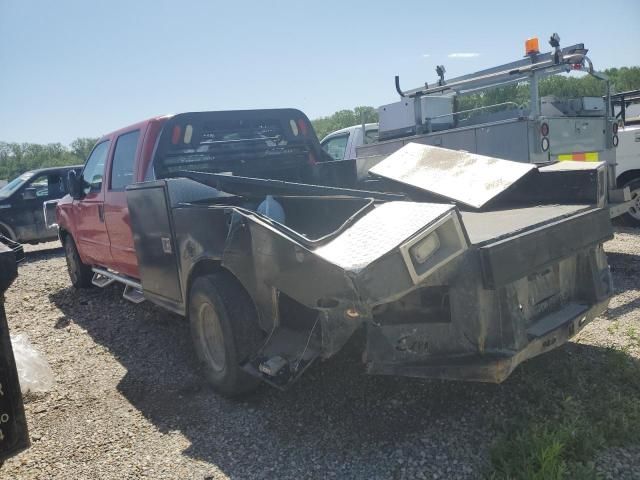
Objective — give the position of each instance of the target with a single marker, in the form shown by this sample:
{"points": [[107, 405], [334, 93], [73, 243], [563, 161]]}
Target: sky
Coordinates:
{"points": [[82, 68]]}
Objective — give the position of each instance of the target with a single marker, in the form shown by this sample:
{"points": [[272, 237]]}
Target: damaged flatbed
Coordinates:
{"points": [[456, 283]]}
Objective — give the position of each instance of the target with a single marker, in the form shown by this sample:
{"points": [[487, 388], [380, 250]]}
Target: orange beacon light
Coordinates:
{"points": [[531, 46]]}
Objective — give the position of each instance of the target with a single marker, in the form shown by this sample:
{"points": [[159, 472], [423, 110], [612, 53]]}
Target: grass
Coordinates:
{"points": [[633, 336], [568, 409]]}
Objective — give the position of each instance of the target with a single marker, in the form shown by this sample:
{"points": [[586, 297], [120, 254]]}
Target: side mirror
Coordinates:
{"points": [[29, 193], [75, 184]]}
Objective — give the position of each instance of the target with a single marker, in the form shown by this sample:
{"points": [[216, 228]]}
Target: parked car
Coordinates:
{"points": [[627, 109], [21, 203], [342, 144], [451, 269]]}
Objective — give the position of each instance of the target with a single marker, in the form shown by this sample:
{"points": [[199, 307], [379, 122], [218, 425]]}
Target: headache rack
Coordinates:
{"points": [[238, 142]]}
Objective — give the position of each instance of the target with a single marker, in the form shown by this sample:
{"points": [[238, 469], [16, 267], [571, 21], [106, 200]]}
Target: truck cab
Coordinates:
{"points": [[626, 106], [342, 144], [22, 199], [94, 223], [97, 219]]}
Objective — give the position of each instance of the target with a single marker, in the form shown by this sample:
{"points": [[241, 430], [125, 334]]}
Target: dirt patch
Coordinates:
{"points": [[129, 401]]}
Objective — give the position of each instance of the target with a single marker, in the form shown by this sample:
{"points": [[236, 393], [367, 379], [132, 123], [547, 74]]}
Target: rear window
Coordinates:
{"points": [[255, 143]]}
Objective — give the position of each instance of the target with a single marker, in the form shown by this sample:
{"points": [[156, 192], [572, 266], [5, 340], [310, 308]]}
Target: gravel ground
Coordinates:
{"points": [[129, 401]]}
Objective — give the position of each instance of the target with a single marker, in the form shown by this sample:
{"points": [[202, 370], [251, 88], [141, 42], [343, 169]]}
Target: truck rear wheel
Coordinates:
{"points": [[79, 273], [225, 332], [632, 217]]}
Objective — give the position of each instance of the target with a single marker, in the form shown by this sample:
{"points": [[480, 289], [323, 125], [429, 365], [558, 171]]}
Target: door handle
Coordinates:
{"points": [[101, 213]]}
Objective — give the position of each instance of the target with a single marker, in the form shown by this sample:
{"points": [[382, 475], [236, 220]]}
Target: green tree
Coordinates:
{"points": [[622, 79], [81, 147], [17, 158], [344, 118]]}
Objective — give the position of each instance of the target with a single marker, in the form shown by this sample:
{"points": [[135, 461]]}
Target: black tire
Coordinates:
{"points": [[632, 219], [79, 273], [225, 332]]}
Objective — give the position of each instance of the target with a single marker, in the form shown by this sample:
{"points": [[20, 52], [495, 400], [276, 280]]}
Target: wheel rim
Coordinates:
{"points": [[211, 337], [72, 264], [634, 210]]}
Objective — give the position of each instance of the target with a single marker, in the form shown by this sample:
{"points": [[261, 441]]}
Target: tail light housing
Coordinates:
{"points": [[544, 144], [544, 129]]}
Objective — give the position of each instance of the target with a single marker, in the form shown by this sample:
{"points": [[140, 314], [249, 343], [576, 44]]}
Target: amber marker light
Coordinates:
{"points": [[531, 46]]}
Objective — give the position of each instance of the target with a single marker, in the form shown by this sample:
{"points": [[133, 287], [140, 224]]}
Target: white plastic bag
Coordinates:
{"points": [[34, 372]]}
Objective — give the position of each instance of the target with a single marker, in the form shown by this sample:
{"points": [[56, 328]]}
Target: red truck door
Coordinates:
{"points": [[128, 145], [90, 228]]}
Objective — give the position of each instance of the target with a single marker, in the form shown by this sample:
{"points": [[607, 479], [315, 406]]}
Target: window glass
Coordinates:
{"points": [[56, 185], [244, 143], [94, 168], [336, 146], [41, 184], [49, 185], [14, 184], [370, 136], [123, 158]]}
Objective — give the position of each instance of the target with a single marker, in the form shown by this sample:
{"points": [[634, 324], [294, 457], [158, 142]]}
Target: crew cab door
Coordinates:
{"points": [[28, 213], [51, 186], [90, 229], [121, 174], [19, 213]]}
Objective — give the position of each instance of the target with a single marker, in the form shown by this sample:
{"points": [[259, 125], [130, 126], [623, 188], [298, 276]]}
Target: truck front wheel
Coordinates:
{"points": [[225, 332], [632, 217], [79, 273]]}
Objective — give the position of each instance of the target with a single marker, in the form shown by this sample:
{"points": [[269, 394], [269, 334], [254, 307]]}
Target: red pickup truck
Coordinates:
{"points": [[95, 229], [277, 255]]}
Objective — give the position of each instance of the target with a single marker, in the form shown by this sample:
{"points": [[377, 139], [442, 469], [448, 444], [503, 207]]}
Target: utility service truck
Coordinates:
{"points": [[545, 131]]}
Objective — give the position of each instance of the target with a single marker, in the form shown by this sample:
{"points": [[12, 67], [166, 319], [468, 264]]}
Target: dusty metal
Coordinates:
{"points": [[463, 177], [340, 264], [437, 292]]}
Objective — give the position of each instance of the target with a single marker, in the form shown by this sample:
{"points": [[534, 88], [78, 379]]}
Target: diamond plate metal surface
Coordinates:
{"points": [[461, 176], [380, 231]]}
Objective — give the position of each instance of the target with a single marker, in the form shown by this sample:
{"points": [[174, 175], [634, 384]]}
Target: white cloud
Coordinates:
{"points": [[463, 55], [426, 55]]}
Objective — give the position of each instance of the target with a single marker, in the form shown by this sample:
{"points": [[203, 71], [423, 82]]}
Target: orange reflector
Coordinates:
{"points": [[302, 127], [175, 134], [580, 156], [531, 46]]}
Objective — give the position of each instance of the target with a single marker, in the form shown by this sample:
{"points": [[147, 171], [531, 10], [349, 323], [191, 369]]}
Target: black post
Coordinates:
{"points": [[14, 436]]}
